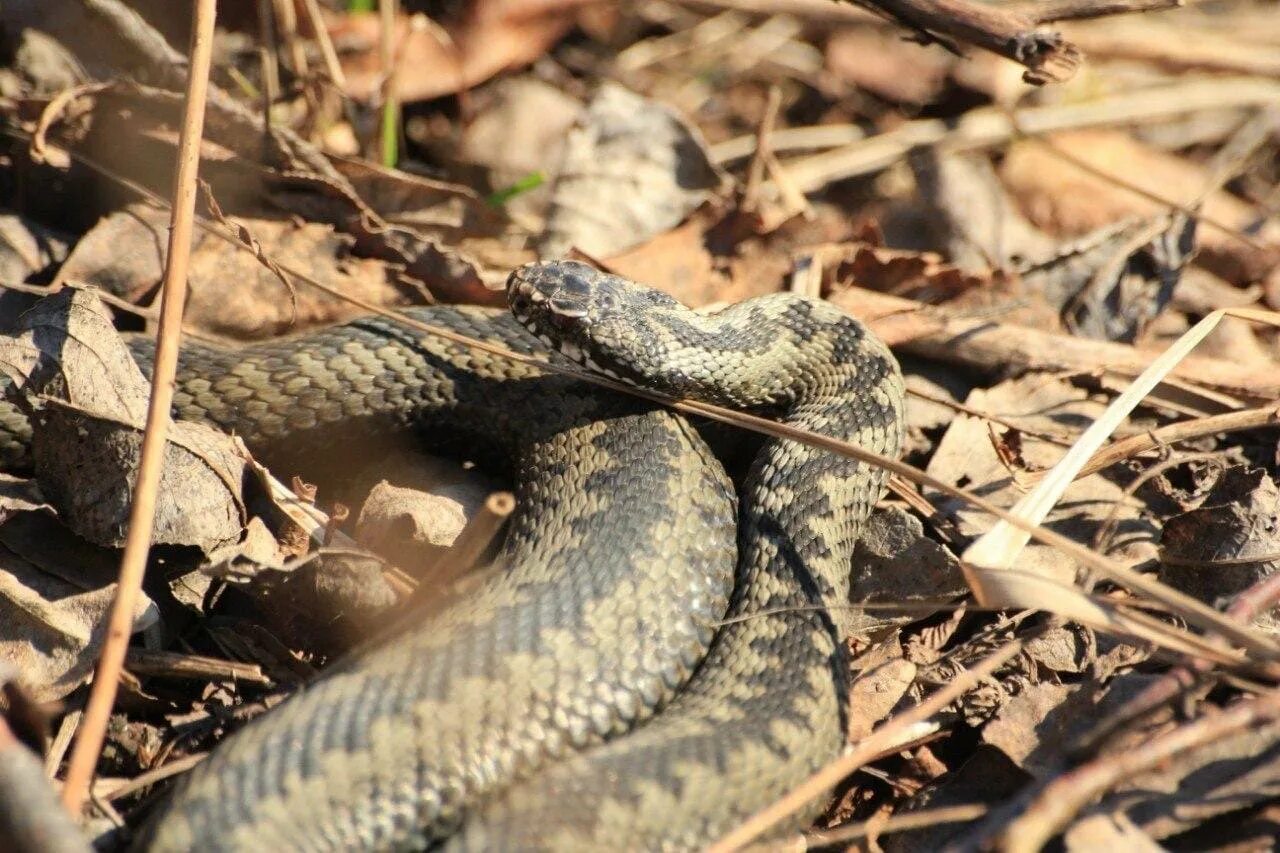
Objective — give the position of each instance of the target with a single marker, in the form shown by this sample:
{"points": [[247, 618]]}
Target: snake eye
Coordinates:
{"points": [[568, 308], [570, 298]]}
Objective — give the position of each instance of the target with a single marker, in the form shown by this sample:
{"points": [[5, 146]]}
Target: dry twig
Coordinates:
{"points": [[887, 738], [84, 756]]}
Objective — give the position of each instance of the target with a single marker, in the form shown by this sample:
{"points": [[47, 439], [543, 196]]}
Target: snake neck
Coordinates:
{"points": [[766, 356]]}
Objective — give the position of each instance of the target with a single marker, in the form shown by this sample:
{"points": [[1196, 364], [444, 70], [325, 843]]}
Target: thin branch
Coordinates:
{"points": [[84, 755], [923, 330], [888, 735], [1062, 798], [1048, 11], [1181, 431], [1047, 56]]}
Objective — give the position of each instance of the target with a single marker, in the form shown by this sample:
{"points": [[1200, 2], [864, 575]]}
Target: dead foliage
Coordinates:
{"points": [[1062, 627]]}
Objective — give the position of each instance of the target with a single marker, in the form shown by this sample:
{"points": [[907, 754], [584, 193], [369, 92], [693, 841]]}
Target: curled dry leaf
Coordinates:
{"points": [[1039, 405], [55, 591], [924, 276], [1111, 283], [432, 60], [231, 293], [1065, 199], [1229, 543], [88, 401], [632, 169]]}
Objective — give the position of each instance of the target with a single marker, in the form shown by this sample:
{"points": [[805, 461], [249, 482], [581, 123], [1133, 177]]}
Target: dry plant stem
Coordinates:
{"points": [[270, 59], [919, 329], [1062, 798], [1194, 611], [390, 138], [177, 665], [1248, 605], [61, 741], [1047, 11], [156, 774], [84, 755], [896, 823], [53, 111], [331, 64], [474, 539], [287, 18], [888, 735], [1181, 431], [755, 172], [1047, 56]]}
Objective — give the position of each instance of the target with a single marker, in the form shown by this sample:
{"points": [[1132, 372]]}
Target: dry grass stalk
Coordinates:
{"points": [[84, 756]]}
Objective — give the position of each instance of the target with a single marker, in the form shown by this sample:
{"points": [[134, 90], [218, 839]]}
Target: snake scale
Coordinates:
{"points": [[652, 663]]}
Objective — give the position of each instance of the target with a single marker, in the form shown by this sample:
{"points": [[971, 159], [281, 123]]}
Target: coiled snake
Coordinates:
{"points": [[643, 672]]}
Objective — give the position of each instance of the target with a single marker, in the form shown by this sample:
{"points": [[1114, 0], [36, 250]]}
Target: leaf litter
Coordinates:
{"points": [[1028, 250]]}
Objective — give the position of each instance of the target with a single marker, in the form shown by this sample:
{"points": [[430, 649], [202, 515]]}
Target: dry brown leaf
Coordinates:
{"points": [[880, 61], [895, 562], [677, 262], [231, 293], [1040, 405], [518, 133], [432, 60], [875, 692], [1227, 544], [632, 169], [55, 591], [923, 276], [89, 400], [1031, 727], [979, 226], [1066, 200]]}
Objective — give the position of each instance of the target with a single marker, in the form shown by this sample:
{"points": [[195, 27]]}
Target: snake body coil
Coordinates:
{"points": [[594, 693]]}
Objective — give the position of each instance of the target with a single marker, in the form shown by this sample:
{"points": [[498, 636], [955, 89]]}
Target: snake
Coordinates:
{"points": [[654, 655]]}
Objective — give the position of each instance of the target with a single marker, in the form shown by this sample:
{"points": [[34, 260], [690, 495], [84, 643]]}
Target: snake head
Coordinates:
{"points": [[601, 321]]}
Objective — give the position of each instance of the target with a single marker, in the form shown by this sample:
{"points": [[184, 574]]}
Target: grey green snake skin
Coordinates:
{"points": [[651, 665]]}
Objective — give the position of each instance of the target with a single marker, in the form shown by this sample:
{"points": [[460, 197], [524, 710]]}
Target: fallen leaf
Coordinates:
{"points": [[434, 60], [1064, 199], [55, 592], [230, 292], [880, 61], [88, 401], [1227, 544], [1039, 406], [631, 170]]}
